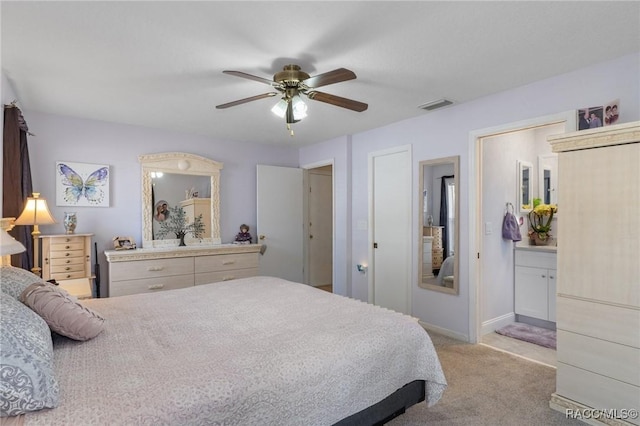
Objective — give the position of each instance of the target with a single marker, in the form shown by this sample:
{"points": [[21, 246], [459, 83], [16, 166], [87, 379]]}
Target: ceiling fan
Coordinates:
{"points": [[292, 82]]}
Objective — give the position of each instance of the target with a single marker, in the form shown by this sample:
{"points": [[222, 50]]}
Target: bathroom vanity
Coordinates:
{"points": [[535, 281]]}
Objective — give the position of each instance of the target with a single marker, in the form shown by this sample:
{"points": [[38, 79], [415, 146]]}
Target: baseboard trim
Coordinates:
{"points": [[561, 404], [444, 331], [498, 322]]}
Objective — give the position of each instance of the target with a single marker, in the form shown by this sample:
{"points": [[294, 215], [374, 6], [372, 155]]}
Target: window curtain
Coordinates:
{"points": [[16, 180], [444, 219]]}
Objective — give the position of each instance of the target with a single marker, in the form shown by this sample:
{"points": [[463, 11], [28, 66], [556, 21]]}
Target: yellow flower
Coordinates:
{"points": [[545, 209]]}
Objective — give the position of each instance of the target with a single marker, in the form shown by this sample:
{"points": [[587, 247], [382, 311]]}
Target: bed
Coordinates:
{"points": [[445, 275], [251, 351]]}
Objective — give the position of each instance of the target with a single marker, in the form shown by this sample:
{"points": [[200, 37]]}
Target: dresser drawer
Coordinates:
{"points": [[215, 277], [120, 271], [224, 262], [75, 267], [535, 259], [62, 254], [67, 261], [68, 275], [61, 247], [150, 285]]}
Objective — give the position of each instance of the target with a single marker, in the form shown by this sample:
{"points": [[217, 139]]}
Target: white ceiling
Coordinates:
{"points": [[159, 64]]}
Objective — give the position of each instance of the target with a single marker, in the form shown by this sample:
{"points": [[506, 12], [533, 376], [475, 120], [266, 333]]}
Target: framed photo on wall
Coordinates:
{"points": [[82, 184]]}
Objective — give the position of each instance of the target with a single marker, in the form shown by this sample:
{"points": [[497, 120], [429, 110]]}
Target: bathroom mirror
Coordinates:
{"points": [[548, 178], [439, 225], [525, 200], [196, 188]]}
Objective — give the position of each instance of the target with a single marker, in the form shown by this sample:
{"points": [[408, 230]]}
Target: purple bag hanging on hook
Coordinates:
{"points": [[510, 225]]}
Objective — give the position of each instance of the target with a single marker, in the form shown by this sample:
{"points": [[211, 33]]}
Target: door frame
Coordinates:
{"points": [[475, 204], [305, 231], [410, 266]]}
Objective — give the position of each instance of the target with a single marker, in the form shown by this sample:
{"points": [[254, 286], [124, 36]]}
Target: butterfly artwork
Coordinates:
{"points": [[80, 184]]}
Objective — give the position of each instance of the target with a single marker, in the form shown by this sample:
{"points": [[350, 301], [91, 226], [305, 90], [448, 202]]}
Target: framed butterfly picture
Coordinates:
{"points": [[81, 184]]}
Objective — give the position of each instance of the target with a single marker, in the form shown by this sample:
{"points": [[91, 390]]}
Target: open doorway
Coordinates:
{"points": [[320, 219], [498, 153]]}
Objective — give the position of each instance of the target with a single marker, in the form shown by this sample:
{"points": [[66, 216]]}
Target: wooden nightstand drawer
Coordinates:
{"points": [[78, 260], [68, 275], [55, 247]]}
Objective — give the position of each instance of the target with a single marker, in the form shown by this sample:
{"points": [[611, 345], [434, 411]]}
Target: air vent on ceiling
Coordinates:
{"points": [[430, 106]]}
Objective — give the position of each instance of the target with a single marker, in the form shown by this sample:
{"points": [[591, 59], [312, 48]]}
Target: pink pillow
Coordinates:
{"points": [[62, 312]]}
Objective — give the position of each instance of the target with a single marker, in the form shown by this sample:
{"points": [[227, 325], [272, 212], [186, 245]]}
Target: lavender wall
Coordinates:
{"points": [[60, 138], [447, 132]]}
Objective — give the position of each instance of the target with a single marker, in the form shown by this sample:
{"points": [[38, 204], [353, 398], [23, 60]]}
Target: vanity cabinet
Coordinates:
{"points": [[535, 282], [598, 304], [158, 269]]}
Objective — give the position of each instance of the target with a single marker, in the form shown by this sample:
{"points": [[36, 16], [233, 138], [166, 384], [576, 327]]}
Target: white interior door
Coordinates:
{"points": [[320, 226], [391, 229], [279, 221]]}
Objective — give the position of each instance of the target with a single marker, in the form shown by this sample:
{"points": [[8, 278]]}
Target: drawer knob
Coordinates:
{"points": [[67, 254], [67, 247], [68, 239], [67, 268], [155, 268], [155, 286], [228, 278], [228, 262], [68, 276]]}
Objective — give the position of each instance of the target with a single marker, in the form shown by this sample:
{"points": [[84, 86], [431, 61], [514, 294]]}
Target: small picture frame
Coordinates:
{"points": [[124, 243]]}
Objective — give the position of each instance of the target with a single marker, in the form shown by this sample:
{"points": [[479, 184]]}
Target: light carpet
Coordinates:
{"points": [[488, 387]]}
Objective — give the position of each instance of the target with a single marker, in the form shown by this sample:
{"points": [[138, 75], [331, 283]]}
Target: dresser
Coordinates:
{"points": [[157, 269], [194, 207], [437, 250], [427, 258], [66, 258], [535, 281], [598, 303]]}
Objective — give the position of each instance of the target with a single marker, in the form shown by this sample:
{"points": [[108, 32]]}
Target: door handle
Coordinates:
{"points": [[262, 237], [310, 237]]}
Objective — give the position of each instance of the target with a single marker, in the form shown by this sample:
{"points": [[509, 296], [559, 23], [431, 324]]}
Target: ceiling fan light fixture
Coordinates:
{"points": [[299, 108], [280, 109]]}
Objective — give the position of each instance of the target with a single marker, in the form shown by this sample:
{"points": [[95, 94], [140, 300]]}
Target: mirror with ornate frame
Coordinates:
{"points": [[179, 163], [525, 183], [438, 261]]}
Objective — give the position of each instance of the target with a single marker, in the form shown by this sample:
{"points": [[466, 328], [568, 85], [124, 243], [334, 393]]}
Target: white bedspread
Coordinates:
{"points": [[256, 351]]}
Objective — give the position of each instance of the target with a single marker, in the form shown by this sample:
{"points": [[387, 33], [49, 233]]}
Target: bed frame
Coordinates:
{"points": [[389, 408]]}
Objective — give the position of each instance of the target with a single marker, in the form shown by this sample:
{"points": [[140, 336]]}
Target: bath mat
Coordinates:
{"points": [[529, 333]]}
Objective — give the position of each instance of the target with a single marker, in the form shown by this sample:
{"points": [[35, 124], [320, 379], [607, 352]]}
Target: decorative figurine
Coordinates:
{"points": [[243, 237]]}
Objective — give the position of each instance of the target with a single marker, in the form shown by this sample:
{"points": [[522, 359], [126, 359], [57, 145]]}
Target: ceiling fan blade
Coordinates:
{"points": [[250, 77], [338, 101], [245, 100], [331, 77]]}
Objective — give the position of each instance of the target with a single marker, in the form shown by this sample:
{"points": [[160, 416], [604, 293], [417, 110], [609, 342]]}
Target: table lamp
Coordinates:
{"points": [[8, 246], [35, 213]]}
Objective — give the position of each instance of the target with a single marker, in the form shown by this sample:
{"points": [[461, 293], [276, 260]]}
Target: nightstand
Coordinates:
{"points": [[66, 258]]}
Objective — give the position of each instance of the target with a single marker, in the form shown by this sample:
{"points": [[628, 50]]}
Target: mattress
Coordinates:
{"points": [[251, 351]]}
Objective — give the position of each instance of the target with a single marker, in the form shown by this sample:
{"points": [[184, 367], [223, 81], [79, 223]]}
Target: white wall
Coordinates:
{"points": [[61, 138], [447, 132]]}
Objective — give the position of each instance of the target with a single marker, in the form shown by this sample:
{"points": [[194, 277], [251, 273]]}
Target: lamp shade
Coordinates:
{"points": [[35, 212], [9, 245]]}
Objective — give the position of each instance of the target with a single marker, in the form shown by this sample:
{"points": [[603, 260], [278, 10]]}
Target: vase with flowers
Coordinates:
{"points": [[176, 223], [540, 222]]}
